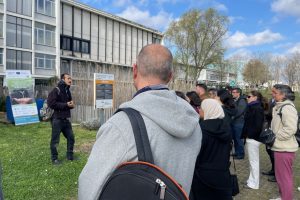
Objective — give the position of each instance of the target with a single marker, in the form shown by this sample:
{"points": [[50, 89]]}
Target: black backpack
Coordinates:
{"points": [[297, 134], [141, 180]]}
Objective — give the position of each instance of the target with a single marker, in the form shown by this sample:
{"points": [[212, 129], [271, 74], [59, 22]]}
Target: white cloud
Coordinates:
{"points": [[287, 7], [220, 7], [121, 3], [233, 19], [241, 54], [240, 39], [294, 49], [159, 21]]}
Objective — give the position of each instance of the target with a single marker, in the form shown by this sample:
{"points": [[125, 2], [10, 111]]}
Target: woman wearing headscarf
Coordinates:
{"points": [[254, 120], [212, 176], [284, 125]]}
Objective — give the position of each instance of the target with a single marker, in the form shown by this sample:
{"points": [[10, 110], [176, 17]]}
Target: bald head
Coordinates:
{"points": [[155, 61]]}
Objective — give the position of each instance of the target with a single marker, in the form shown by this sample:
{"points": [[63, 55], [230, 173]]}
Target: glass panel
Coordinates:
{"points": [[40, 63], [27, 7], [11, 19], [48, 8], [12, 5], [40, 6], [1, 56], [1, 25], [26, 22], [48, 64], [19, 36], [19, 60], [26, 38], [48, 38], [76, 45], [40, 36], [10, 59], [26, 60], [11, 35], [19, 6]]}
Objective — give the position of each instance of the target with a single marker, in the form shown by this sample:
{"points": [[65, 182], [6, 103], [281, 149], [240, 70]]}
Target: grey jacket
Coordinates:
{"points": [[174, 133], [241, 106]]}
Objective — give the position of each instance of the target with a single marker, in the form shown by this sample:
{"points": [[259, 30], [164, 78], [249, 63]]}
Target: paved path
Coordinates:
{"points": [[267, 189]]}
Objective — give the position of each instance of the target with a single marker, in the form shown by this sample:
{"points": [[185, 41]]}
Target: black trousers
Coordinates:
{"points": [[64, 126], [271, 156]]}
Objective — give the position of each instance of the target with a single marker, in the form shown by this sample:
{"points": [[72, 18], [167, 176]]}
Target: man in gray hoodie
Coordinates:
{"points": [[172, 125]]}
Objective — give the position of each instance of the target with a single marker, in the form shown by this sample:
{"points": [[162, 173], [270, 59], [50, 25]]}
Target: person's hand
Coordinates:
{"points": [[71, 104]]}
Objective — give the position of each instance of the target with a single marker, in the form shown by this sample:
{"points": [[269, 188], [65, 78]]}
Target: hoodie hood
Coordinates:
{"points": [[216, 128], [170, 112]]}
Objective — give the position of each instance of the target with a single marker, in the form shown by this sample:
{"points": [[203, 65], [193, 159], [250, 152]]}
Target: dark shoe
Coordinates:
{"points": [[269, 173], [238, 157], [247, 187], [56, 162], [272, 179], [72, 158]]}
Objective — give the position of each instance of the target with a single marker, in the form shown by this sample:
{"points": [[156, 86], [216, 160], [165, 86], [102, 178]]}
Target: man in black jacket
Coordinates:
{"points": [[60, 100]]}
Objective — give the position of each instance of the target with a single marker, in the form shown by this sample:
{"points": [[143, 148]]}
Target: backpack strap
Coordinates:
{"points": [[280, 110], [140, 135], [58, 90]]}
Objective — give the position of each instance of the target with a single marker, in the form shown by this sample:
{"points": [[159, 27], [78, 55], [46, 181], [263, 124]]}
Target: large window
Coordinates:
{"points": [[18, 32], [20, 6], [1, 26], [1, 56], [46, 7], [44, 34], [18, 60], [74, 44], [44, 61]]}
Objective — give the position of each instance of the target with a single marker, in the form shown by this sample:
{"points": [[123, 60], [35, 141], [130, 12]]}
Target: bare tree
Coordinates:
{"points": [[292, 69], [256, 72], [197, 39]]}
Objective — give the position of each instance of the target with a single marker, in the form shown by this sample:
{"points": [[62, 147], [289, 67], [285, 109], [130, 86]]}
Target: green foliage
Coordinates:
{"points": [[27, 169], [197, 38]]}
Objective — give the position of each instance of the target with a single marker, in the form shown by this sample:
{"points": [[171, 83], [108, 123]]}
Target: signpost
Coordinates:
{"points": [[21, 91], [103, 92]]}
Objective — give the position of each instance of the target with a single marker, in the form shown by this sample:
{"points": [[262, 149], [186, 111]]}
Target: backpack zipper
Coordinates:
{"points": [[162, 188]]}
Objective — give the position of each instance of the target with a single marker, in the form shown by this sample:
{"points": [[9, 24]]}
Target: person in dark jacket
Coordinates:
{"points": [[238, 122], [268, 119], [212, 176], [227, 104], [254, 120], [60, 100], [195, 100]]}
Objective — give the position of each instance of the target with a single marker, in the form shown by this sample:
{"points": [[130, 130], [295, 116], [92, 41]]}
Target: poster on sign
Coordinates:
{"points": [[21, 91], [103, 92]]}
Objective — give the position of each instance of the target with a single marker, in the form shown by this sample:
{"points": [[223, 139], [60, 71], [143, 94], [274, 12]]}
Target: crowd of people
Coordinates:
{"points": [[244, 117], [192, 135]]}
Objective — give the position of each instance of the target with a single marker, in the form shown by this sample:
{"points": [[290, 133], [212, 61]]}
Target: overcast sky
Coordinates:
{"points": [[255, 25]]}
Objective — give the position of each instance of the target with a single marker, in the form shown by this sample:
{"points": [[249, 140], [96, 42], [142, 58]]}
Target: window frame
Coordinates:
{"points": [[44, 10], [40, 57], [44, 30]]}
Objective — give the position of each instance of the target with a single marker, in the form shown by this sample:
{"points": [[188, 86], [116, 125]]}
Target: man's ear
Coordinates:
{"points": [[135, 71], [170, 77]]}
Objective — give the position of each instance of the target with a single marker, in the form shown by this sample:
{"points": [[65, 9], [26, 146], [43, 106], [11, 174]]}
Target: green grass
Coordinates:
{"points": [[27, 171]]}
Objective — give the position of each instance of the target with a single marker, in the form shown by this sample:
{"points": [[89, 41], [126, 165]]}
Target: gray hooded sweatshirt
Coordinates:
{"points": [[174, 133]]}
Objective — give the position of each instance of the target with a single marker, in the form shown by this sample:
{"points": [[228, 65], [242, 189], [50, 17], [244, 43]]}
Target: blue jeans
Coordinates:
{"points": [[238, 142], [64, 126]]}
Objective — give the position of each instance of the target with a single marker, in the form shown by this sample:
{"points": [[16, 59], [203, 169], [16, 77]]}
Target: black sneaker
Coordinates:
{"points": [[269, 173], [56, 162], [272, 179]]}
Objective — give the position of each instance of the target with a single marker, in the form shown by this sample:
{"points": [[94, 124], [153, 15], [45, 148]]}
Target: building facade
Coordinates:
{"points": [[50, 37]]}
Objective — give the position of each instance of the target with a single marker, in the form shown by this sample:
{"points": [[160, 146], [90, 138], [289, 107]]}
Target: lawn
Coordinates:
{"points": [[27, 171]]}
